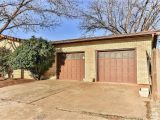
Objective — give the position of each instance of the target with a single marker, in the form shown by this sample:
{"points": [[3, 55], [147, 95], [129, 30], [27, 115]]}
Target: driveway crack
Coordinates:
{"points": [[41, 98], [106, 116], [57, 92]]}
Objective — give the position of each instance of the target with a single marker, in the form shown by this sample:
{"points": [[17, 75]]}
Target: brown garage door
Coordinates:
{"points": [[117, 66], [70, 66]]}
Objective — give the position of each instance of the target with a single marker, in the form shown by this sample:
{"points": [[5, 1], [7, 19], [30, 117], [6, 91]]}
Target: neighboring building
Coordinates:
{"points": [[12, 43], [9, 42], [117, 58]]}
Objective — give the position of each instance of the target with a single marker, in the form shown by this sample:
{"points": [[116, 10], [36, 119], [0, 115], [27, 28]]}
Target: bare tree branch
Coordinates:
{"points": [[34, 14], [121, 16]]}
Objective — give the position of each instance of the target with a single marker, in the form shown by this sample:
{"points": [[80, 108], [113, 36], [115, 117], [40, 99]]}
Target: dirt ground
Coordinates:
{"points": [[68, 100], [4, 83]]}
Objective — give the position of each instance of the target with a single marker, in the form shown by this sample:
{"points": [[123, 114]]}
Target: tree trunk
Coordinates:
{"points": [[22, 73]]}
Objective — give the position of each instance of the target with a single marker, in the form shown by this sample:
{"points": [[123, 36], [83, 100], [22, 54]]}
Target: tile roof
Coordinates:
{"points": [[10, 38]]}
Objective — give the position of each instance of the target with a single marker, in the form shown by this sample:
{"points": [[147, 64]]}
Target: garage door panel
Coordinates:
{"points": [[73, 73], [112, 78], [119, 69], [70, 66], [78, 75], [65, 69], [132, 73], [78, 63], [69, 69], [117, 66], [101, 74], [107, 69]]}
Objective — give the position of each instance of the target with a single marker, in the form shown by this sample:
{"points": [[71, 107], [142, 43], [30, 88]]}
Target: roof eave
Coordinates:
{"points": [[103, 38], [2, 37]]}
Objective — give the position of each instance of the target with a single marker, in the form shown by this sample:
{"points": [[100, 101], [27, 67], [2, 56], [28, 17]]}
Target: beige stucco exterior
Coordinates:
{"points": [[10, 44], [17, 74], [141, 44]]}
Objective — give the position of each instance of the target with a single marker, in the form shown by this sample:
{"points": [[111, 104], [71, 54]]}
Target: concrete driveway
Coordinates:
{"points": [[68, 100]]}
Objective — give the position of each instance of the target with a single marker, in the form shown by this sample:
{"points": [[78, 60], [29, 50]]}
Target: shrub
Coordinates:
{"points": [[35, 55], [5, 67]]}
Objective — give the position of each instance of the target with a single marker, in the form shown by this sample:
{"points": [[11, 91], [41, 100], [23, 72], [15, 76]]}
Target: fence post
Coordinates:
{"points": [[158, 71], [154, 74]]}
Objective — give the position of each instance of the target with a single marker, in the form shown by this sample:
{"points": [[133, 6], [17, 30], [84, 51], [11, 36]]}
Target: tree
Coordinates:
{"points": [[5, 67], [121, 16], [35, 55], [33, 14]]}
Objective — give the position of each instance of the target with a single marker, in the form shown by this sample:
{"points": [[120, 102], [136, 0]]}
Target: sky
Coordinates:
{"points": [[69, 29]]}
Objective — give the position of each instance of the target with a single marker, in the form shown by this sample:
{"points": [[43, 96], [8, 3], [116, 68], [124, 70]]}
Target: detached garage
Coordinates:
{"points": [[106, 59]]}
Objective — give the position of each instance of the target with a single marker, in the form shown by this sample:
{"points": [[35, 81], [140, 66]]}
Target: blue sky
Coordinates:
{"points": [[68, 29]]}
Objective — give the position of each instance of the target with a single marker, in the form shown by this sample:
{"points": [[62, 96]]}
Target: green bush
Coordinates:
{"points": [[35, 55], [5, 67]]}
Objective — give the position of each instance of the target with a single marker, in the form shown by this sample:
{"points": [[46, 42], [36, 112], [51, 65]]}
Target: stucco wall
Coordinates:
{"points": [[17, 74], [141, 44], [9, 44]]}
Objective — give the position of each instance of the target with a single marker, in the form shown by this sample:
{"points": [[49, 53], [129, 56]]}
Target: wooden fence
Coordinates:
{"points": [[155, 73]]}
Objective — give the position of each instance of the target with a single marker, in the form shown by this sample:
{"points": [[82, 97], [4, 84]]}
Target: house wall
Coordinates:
{"points": [[141, 44], [9, 44], [17, 74]]}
